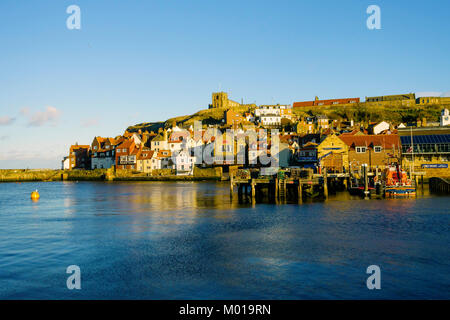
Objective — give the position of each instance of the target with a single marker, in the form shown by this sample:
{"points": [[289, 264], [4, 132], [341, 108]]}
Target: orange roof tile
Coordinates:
{"points": [[385, 141]]}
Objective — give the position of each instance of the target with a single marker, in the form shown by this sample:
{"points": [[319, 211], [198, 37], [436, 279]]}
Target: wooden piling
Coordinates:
{"points": [[300, 192], [366, 182], [276, 188], [231, 187], [325, 184], [253, 190]]}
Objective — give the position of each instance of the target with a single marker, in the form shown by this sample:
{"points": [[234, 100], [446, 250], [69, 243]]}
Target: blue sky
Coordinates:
{"points": [[143, 61]]}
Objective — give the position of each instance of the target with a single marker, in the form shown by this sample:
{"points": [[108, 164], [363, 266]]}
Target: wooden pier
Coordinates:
{"points": [[278, 187]]}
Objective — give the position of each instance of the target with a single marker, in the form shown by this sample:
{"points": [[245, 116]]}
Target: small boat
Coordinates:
{"points": [[397, 183]]}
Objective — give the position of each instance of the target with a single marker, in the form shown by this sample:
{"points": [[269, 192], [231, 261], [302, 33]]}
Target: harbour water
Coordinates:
{"points": [[188, 240]]}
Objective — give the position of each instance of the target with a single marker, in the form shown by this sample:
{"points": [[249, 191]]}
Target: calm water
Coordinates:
{"points": [[187, 240]]}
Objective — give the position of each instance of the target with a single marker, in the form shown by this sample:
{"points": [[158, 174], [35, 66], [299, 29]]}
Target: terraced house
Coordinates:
{"points": [[103, 153], [126, 155], [79, 157], [376, 151], [144, 160]]}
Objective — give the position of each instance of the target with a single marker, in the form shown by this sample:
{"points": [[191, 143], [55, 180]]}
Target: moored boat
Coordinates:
{"points": [[397, 183]]}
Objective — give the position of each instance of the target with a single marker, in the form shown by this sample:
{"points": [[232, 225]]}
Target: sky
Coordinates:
{"points": [[135, 61]]}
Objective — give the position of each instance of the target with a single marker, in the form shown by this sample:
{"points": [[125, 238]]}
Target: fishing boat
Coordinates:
{"points": [[397, 183]]}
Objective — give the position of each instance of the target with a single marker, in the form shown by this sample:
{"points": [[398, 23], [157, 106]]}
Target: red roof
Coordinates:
{"points": [[146, 154], [386, 141]]}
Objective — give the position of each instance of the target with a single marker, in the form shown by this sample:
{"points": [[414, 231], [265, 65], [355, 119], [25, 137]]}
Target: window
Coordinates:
{"points": [[360, 149], [377, 149], [118, 150]]}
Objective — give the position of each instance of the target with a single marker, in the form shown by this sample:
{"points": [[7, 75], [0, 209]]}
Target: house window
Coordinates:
{"points": [[377, 149], [118, 150], [360, 149]]}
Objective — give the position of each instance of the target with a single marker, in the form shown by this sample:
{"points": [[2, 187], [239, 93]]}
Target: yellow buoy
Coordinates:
{"points": [[35, 195]]}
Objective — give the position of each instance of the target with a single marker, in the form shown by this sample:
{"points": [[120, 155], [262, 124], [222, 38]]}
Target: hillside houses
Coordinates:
{"points": [[313, 141]]}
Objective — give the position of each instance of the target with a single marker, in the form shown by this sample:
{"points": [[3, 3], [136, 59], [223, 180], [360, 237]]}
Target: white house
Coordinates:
{"points": [[65, 163], [184, 163], [445, 118], [270, 119], [103, 159], [380, 127], [177, 146], [281, 110]]}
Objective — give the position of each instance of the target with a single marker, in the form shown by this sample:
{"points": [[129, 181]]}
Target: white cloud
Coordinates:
{"points": [[50, 115], [6, 121]]}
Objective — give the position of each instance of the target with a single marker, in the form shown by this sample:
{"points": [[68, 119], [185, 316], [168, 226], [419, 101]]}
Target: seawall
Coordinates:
{"points": [[30, 175]]}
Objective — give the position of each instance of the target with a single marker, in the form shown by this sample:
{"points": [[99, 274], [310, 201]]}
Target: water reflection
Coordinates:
{"points": [[189, 240]]}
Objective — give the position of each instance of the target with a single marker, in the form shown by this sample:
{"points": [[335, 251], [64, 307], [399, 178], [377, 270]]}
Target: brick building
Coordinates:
{"points": [[328, 102], [375, 150], [79, 157]]}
